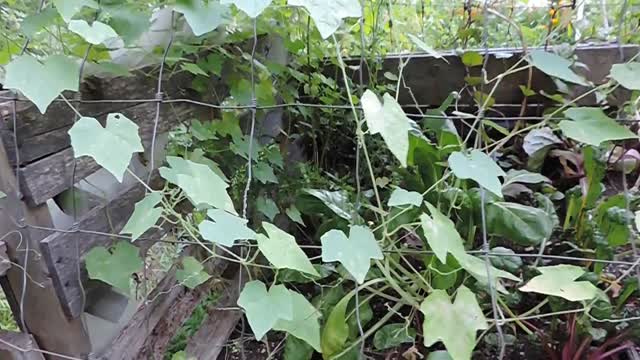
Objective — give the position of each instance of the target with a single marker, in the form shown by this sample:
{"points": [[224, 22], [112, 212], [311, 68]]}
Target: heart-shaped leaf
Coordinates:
{"points": [[592, 126], [264, 308], [191, 275], [68, 8], [390, 121], [267, 207], [95, 33], [304, 323], [111, 146], [328, 14], [478, 167], [354, 253], [42, 83], [400, 197], [441, 234], [253, 8], [32, 24], [264, 173], [294, 214], [556, 66], [627, 74], [225, 228], [282, 250], [560, 280], [145, 215], [203, 16], [114, 268]]}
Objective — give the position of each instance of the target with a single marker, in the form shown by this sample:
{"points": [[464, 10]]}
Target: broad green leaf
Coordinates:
{"points": [[328, 14], [145, 215], [560, 280], [264, 173], [295, 276], [129, 23], [32, 24], [116, 267], [539, 139], [304, 323], [296, 349], [203, 16], [556, 66], [524, 176], [191, 275], [426, 48], [354, 253], [592, 126], [455, 324], [441, 234], [264, 308], [523, 224], [229, 125], [26, 74], [390, 121], [628, 75], [439, 355], [111, 147], [507, 260], [392, 335], [336, 330], [636, 218], [193, 69], [267, 207], [68, 8], [95, 33], [336, 201], [225, 228], [478, 167], [253, 8], [477, 268], [472, 58], [282, 250], [400, 197], [201, 184], [294, 214]]}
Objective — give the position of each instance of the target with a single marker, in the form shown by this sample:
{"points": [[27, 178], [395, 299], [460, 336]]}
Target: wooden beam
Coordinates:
{"points": [[18, 346]]}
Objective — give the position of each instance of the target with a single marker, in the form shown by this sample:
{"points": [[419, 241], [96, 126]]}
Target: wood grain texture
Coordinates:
{"points": [[18, 346]]}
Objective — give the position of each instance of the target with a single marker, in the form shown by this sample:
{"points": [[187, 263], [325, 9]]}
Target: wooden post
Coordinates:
{"points": [[18, 346]]}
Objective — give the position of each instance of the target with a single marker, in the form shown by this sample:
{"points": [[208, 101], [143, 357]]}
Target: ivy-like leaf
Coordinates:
{"points": [[390, 121], [26, 74], [264, 173], [193, 69], [328, 14], [225, 228], [556, 66], [145, 215], [627, 74], [68, 8], [267, 207], [264, 308], [336, 201], [453, 324], [111, 146], [477, 268], [354, 253], [191, 275], [400, 197], [203, 16], [282, 250], [441, 234], [114, 268], [33, 23], [95, 33], [253, 8], [592, 126], [304, 323], [478, 167], [294, 214], [560, 280], [201, 184]]}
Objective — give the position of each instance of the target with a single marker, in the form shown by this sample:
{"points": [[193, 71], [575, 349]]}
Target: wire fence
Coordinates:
{"points": [[499, 319]]}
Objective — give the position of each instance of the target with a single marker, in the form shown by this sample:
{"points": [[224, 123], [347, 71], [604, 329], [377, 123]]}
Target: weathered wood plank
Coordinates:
{"points": [[47, 177], [5, 263], [18, 346], [59, 248]]}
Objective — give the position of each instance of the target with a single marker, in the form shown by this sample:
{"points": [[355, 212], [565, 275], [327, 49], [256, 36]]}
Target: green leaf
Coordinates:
{"points": [[526, 91], [539, 139], [264, 308], [267, 207], [477, 268], [591, 126], [225, 228], [296, 349], [556, 66], [201, 184], [559, 280], [336, 201], [193, 69], [114, 268], [392, 335], [26, 74], [304, 323], [472, 58], [129, 23], [400, 197], [253, 8], [111, 147], [336, 330], [294, 214], [191, 275], [203, 16], [426, 48], [523, 224], [264, 173], [441, 234], [439, 355], [95, 33], [627, 75], [354, 253], [182, 355], [328, 14], [199, 157], [523, 176], [32, 24], [2, 195], [282, 250], [478, 167], [145, 215], [390, 121], [453, 324], [68, 8], [508, 260], [228, 126]]}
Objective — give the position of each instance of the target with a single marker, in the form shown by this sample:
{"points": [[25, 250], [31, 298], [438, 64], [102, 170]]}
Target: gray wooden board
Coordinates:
{"points": [[18, 346]]}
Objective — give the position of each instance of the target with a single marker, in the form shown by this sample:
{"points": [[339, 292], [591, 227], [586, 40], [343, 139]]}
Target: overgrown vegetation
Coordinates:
{"points": [[365, 231]]}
